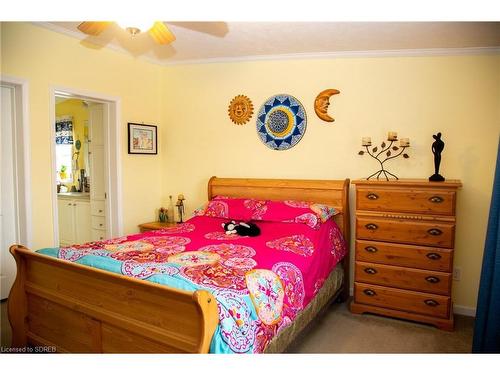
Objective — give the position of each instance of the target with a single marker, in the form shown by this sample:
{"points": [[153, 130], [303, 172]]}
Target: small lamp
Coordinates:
{"points": [[180, 207]]}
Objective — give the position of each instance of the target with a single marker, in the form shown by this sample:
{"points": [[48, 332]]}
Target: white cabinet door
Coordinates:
{"points": [[96, 124], [82, 221], [66, 221], [97, 159], [96, 151], [97, 183]]}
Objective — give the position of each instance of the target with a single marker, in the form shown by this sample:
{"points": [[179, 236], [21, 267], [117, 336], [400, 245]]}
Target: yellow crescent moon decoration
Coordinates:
{"points": [[322, 102]]}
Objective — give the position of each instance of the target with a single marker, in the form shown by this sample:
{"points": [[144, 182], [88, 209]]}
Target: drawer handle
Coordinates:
{"points": [[432, 279], [372, 196], [434, 256], [369, 292], [100, 225], [436, 199], [101, 238], [435, 232], [100, 210], [370, 271], [431, 302], [371, 249], [371, 226]]}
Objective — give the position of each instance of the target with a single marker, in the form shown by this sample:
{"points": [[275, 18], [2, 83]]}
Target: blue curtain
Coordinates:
{"points": [[64, 131], [487, 325]]}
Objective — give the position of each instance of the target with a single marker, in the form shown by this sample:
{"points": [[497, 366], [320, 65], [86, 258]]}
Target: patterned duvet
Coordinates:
{"points": [[260, 283]]}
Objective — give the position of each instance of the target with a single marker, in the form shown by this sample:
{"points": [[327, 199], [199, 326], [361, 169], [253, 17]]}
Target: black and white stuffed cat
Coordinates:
{"points": [[241, 228]]}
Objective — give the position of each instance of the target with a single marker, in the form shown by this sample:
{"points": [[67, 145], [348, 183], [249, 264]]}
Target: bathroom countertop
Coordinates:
{"points": [[74, 195]]}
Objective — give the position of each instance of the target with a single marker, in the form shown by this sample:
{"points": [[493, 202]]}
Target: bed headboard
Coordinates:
{"points": [[334, 193]]}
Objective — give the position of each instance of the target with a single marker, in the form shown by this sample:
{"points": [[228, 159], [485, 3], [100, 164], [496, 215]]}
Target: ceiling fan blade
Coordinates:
{"points": [[93, 27], [161, 34]]}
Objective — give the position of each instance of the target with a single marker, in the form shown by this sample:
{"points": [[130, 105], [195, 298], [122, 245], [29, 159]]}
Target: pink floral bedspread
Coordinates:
{"points": [[260, 283]]}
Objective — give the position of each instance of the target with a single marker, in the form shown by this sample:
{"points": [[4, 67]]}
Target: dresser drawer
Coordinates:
{"points": [[98, 222], [407, 200], [98, 235], [404, 255], [415, 232], [404, 278], [404, 300], [97, 208]]}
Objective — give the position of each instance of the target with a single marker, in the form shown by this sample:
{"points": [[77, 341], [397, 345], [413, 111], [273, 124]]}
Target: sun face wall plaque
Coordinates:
{"points": [[322, 102], [281, 122], [240, 109]]}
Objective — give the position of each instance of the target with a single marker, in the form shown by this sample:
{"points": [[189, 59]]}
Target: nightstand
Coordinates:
{"points": [[155, 225], [405, 232]]}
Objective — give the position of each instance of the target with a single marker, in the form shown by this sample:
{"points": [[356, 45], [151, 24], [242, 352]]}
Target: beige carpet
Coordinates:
{"points": [[339, 331]]}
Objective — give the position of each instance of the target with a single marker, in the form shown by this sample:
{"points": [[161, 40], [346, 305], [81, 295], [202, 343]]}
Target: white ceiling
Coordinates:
{"points": [[219, 41]]}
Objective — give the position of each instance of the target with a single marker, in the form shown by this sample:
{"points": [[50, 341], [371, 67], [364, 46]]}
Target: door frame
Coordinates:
{"points": [[112, 168], [22, 161]]}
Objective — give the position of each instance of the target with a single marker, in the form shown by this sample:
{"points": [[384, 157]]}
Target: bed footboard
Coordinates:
{"points": [[80, 309]]}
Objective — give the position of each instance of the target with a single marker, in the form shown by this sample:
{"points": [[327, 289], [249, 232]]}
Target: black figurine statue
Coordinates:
{"points": [[437, 148]]}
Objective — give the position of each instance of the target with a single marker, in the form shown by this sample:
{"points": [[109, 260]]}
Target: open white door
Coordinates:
{"points": [[104, 159], [8, 210]]}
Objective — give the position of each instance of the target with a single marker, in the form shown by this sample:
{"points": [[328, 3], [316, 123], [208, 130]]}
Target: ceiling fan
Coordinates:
{"points": [[158, 31]]}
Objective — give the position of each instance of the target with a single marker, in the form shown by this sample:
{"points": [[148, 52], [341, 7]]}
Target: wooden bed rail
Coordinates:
{"points": [[79, 309]]}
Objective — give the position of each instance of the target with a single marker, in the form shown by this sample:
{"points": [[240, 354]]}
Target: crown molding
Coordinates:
{"points": [[345, 54], [292, 56]]}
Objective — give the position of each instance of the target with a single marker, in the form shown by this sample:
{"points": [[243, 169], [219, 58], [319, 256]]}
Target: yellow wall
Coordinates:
{"points": [[45, 58], [80, 115], [415, 96]]}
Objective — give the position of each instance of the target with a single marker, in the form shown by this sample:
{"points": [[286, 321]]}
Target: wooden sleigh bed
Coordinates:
{"points": [[80, 309]]}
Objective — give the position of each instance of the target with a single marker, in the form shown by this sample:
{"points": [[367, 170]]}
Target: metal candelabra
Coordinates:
{"points": [[387, 152]]}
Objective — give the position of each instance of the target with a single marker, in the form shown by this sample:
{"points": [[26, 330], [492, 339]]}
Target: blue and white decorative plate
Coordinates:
{"points": [[281, 122]]}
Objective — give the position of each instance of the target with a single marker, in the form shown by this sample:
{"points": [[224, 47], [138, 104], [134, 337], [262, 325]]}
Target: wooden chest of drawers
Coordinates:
{"points": [[405, 232]]}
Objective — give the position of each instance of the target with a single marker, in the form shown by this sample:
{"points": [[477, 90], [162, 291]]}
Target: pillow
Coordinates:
{"points": [[226, 208], [257, 207], [290, 211], [323, 211]]}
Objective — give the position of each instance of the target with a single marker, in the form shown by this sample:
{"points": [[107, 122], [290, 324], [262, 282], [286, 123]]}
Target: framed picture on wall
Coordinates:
{"points": [[142, 139]]}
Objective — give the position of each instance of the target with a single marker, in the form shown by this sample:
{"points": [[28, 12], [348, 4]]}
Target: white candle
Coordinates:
{"points": [[366, 141], [404, 142], [392, 136]]}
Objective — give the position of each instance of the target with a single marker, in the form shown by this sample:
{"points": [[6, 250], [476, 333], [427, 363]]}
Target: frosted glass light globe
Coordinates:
{"points": [[141, 25]]}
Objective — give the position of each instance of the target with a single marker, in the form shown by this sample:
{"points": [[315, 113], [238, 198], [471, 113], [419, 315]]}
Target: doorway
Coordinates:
{"points": [[15, 215], [85, 167]]}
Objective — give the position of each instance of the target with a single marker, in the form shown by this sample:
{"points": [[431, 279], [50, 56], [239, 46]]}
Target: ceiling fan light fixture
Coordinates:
{"points": [[133, 30], [135, 27], [157, 30]]}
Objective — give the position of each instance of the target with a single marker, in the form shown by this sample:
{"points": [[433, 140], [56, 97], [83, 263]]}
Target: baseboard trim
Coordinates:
{"points": [[457, 309], [464, 310]]}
